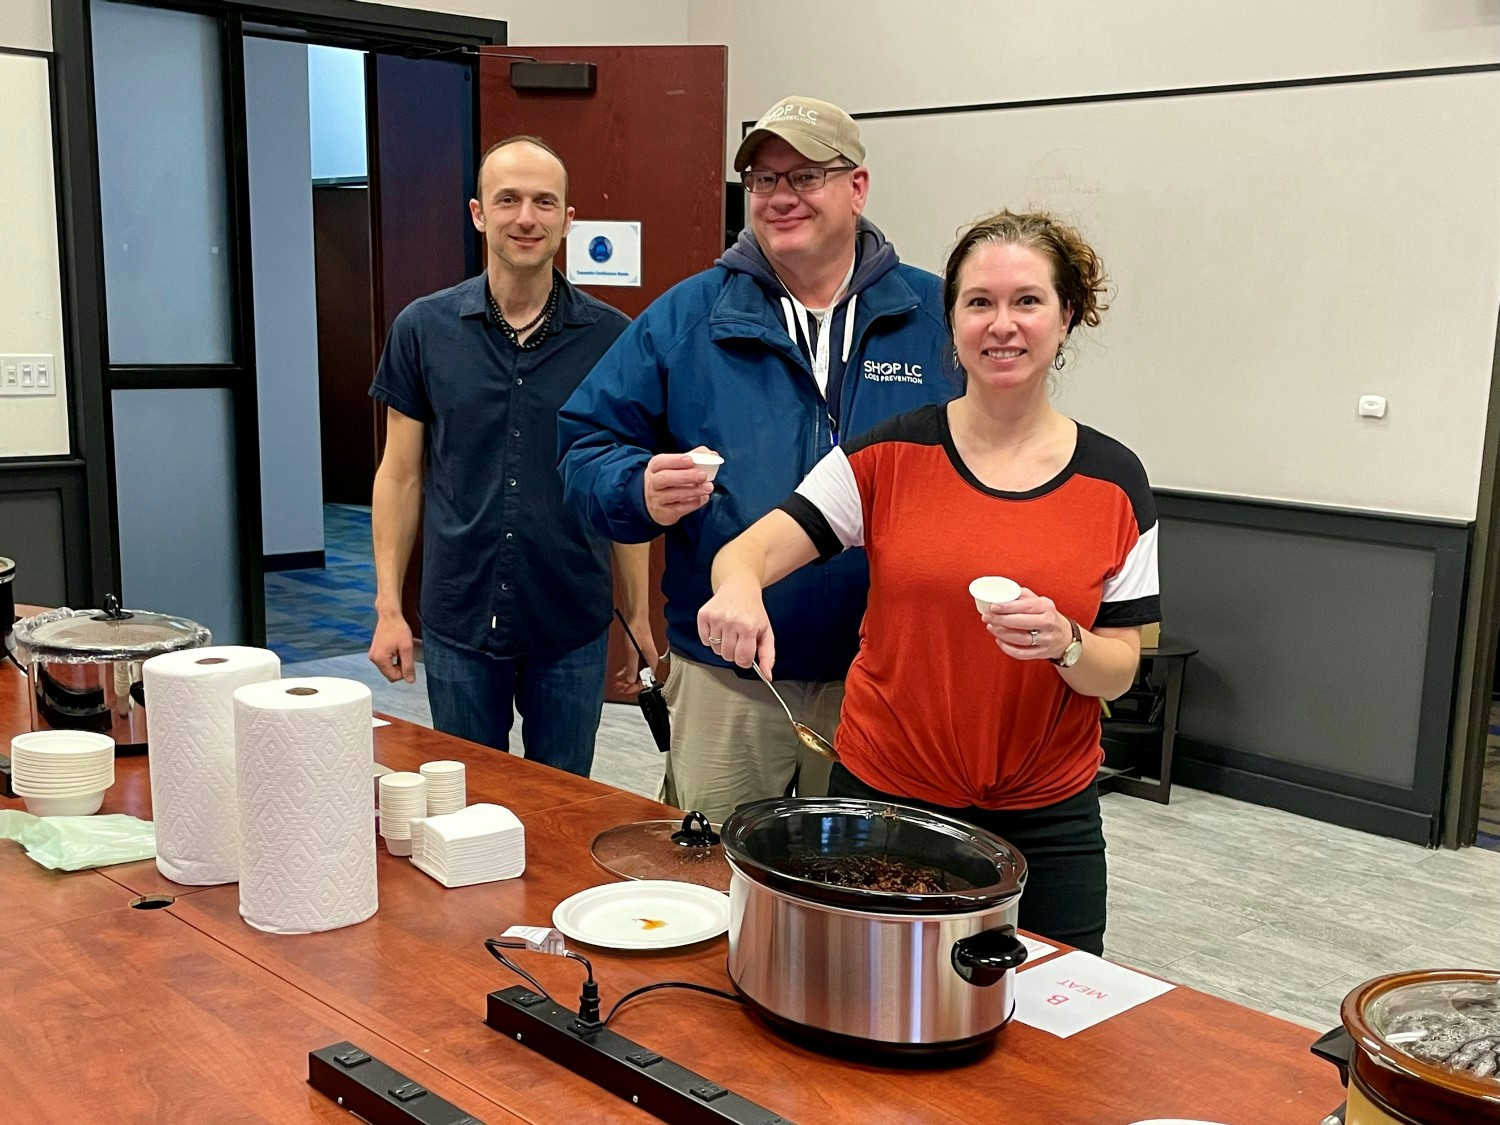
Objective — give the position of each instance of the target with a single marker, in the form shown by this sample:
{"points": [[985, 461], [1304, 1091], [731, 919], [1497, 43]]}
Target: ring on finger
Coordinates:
{"points": [[1034, 634], [715, 640]]}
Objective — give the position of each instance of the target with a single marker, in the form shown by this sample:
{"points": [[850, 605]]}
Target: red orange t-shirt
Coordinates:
{"points": [[933, 709]]}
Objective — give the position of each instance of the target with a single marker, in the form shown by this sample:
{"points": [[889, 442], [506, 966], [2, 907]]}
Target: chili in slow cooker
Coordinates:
{"points": [[873, 873]]}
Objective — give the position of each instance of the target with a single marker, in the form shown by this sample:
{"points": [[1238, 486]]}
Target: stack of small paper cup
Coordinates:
{"points": [[446, 787], [403, 797]]}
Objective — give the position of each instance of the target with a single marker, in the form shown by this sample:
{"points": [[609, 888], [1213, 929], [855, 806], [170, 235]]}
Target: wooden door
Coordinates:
{"points": [[420, 115], [647, 144], [346, 364]]}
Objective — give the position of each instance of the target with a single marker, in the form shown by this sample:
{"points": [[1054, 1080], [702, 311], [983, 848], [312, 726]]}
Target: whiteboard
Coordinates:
{"points": [[1275, 254]]}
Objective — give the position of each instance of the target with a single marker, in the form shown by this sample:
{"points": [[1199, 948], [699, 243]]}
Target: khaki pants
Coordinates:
{"points": [[732, 743]]}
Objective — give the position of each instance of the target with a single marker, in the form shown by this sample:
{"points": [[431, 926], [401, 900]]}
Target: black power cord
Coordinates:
{"points": [[588, 1000], [494, 945], [633, 993]]}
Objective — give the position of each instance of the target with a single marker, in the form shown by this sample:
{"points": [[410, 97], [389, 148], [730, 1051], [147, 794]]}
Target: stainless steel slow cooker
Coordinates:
{"points": [[927, 971], [84, 666]]}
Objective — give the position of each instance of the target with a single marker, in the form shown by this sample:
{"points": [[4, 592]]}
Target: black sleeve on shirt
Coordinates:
{"points": [[811, 520]]}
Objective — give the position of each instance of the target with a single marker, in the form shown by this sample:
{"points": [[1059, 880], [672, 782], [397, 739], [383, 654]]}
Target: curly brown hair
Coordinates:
{"points": [[1077, 273]]}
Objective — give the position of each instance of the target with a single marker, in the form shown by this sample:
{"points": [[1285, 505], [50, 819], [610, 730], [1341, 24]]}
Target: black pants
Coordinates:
{"points": [[1063, 845]]}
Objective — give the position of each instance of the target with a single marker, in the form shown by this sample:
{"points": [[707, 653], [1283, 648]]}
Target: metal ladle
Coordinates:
{"points": [[805, 734]]}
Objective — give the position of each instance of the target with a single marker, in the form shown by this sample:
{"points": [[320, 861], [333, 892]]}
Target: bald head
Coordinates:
{"points": [[521, 144]]}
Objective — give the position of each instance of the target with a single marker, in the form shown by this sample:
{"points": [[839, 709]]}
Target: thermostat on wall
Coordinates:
{"points": [[1371, 406]]}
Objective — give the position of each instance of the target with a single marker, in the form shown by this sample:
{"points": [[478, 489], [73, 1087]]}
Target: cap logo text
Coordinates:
{"points": [[800, 113]]}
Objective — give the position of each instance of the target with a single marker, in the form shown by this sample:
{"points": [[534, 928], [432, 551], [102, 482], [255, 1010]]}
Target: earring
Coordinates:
{"points": [[955, 357], [1060, 362]]}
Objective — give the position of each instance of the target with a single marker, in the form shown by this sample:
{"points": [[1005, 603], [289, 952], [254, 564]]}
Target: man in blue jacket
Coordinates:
{"points": [[807, 331]]}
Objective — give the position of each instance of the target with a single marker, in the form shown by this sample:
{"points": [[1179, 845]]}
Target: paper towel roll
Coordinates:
{"points": [[192, 757], [307, 839]]}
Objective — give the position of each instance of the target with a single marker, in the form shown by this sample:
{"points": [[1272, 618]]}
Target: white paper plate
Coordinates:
{"points": [[620, 915]]}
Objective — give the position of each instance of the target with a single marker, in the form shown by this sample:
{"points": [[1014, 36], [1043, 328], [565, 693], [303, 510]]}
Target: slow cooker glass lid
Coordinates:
{"points": [[647, 850], [1450, 1024]]}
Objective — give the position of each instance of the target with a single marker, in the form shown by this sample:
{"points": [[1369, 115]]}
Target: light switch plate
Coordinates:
{"points": [[27, 375]]}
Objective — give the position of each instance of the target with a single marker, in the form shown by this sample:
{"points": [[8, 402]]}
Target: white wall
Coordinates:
{"points": [[30, 285], [891, 57], [286, 325], [26, 24], [1266, 273], [890, 54]]}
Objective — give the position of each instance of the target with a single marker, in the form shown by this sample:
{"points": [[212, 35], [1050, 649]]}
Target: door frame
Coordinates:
{"points": [[1471, 722], [92, 379]]}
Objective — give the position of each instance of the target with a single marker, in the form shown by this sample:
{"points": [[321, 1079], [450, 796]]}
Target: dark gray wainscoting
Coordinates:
{"points": [[43, 527], [1329, 644]]}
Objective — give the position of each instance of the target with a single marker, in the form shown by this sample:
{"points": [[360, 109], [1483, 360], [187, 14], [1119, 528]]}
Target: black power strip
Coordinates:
{"points": [[642, 1077], [370, 1089]]}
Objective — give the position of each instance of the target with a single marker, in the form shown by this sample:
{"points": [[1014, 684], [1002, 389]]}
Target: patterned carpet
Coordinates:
{"points": [[315, 614]]}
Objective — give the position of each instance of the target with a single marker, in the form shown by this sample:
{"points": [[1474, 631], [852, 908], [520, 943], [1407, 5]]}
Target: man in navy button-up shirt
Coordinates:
{"points": [[516, 598]]}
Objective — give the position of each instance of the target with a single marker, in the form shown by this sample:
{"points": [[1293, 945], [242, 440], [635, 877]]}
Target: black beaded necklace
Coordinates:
{"points": [[543, 318]]}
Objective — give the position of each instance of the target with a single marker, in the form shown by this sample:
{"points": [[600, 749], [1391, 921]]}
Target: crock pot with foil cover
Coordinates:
{"points": [[84, 666], [873, 926], [1420, 1048]]}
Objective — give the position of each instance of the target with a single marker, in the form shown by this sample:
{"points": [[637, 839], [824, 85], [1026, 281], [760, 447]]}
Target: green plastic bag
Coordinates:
{"points": [[76, 843]]}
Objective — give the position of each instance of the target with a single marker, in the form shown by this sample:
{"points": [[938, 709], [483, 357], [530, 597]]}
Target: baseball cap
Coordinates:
{"points": [[818, 130]]}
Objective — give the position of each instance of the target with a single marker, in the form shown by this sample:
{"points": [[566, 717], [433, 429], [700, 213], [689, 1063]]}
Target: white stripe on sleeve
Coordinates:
{"points": [[1138, 577], [833, 490]]}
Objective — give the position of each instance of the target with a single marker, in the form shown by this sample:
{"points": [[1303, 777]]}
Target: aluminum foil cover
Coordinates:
{"points": [[84, 636]]}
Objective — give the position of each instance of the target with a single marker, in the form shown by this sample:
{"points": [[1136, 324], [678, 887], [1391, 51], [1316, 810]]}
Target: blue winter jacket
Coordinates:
{"points": [[714, 362]]}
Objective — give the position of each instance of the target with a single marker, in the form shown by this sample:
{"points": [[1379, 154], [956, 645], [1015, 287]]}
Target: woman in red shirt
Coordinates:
{"points": [[992, 718]]}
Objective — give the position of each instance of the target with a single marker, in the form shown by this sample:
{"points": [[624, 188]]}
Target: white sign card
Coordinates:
{"points": [[1035, 950], [1078, 990], [602, 253]]}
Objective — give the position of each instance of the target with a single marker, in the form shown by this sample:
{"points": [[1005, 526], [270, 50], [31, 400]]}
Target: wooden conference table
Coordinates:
{"points": [[186, 1014]]}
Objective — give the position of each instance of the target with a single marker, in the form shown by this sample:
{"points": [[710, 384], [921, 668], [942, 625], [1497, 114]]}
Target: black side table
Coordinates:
{"points": [[1153, 703]]}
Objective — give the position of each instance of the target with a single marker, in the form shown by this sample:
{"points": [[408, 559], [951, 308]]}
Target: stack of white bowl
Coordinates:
{"points": [[62, 772], [403, 797], [447, 788]]}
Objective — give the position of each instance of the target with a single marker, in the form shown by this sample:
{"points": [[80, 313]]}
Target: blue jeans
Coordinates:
{"points": [[560, 698]]}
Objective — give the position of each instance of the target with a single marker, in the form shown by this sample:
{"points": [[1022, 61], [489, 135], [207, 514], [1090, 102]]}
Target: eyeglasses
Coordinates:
{"points": [[800, 180]]}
